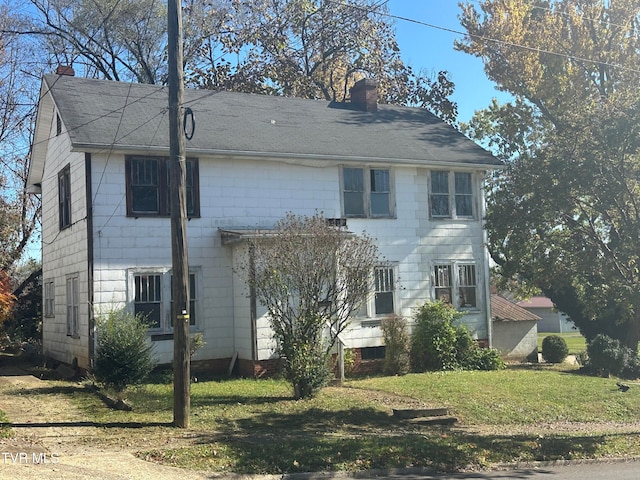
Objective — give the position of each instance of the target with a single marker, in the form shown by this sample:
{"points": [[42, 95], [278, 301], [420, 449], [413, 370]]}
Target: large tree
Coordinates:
{"points": [[311, 276], [302, 48], [564, 215], [19, 211]]}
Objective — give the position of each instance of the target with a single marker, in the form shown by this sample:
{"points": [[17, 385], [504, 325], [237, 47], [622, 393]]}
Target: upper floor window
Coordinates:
{"points": [[64, 197], [460, 290], [451, 194], [148, 185], [367, 192]]}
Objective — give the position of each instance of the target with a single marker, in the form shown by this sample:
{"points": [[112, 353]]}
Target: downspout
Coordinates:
{"points": [[90, 287], [253, 306], [486, 258]]}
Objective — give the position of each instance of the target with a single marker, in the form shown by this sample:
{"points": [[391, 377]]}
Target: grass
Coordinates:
{"points": [[254, 427], [5, 429], [575, 341]]}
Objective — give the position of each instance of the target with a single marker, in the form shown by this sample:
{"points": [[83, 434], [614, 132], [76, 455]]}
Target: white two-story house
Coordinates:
{"points": [[99, 160]]}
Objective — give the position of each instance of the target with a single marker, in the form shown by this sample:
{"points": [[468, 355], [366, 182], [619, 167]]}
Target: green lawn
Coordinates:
{"points": [[248, 426], [575, 341]]}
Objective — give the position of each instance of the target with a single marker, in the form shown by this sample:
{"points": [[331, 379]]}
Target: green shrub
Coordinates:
{"points": [[306, 367], [396, 340], [554, 349], [434, 339], [607, 356], [123, 354], [437, 344], [485, 359]]}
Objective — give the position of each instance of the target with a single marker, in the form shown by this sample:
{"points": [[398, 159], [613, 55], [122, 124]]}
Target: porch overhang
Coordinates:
{"points": [[235, 235]]}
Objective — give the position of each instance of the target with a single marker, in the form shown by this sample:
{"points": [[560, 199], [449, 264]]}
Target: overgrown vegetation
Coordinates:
{"points": [[608, 356], [397, 343], [124, 357], [438, 344], [554, 349], [311, 276]]}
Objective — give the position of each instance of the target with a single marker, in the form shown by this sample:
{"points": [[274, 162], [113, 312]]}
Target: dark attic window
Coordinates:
{"points": [[58, 125]]}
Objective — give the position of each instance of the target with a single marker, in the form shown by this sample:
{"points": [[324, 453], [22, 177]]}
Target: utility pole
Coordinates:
{"points": [[180, 262]]}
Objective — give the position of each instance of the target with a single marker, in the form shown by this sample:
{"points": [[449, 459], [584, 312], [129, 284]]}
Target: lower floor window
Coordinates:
{"points": [[385, 286], [152, 299], [73, 307], [456, 284]]}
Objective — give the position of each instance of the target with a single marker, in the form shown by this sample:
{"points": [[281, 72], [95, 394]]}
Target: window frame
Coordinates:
{"points": [[64, 197], [384, 278], [454, 195], [456, 283], [72, 306], [162, 186], [369, 191], [368, 309], [49, 300], [166, 301]]}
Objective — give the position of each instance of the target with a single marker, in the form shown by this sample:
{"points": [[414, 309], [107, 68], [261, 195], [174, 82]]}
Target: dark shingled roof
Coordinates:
{"points": [[505, 311], [106, 114]]}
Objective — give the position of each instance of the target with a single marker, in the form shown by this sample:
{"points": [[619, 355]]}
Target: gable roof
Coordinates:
{"points": [[503, 310], [536, 302], [127, 117]]}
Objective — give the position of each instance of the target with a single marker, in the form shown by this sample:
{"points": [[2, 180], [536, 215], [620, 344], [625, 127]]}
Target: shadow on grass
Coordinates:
{"points": [[280, 453], [86, 424]]}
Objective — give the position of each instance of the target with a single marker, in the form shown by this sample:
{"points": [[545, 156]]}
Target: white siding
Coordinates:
{"points": [[64, 252], [234, 193]]}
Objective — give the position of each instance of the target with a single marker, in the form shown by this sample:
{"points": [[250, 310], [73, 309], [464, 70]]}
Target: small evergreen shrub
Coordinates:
{"points": [[307, 368], [124, 356], [434, 339], [396, 340], [607, 356], [554, 349], [485, 359], [437, 344]]}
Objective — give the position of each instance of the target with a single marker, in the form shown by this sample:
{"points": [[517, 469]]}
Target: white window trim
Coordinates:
{"points": [[451, 179], [368, 312], [165, 302], [72, 304], [367, 191], [455, 285]]}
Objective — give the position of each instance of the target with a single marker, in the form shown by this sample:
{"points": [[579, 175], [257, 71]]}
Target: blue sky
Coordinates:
{"points": [[431, 49]]}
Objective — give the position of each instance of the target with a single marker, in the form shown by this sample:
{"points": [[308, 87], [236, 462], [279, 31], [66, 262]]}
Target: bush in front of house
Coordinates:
{"points": [[123, 354], [438, 344], [607, 356], [434, 339], [554, 349], [396, 341]]}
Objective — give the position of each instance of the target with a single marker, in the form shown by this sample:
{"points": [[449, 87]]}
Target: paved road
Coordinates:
{"points": [[65, 471]]}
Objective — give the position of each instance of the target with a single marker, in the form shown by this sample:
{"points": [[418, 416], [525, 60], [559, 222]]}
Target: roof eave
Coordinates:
{"points": [[316, 160]]}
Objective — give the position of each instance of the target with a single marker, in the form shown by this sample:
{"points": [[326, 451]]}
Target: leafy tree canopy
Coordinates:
{"points": [[303, 48], [564, 215]]}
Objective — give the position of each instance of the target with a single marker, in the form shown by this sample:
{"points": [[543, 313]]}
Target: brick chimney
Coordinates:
{"points": [[65, 70], [364, 94]]}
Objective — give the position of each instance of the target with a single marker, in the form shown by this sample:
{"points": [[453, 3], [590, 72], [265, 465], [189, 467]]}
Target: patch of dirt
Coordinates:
{"points": [[387, 400], [52, 439]]}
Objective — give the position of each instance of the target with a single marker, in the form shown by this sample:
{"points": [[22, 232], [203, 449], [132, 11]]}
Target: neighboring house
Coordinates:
{"points": [[99, 160], [515, 330], [552, 321]]}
